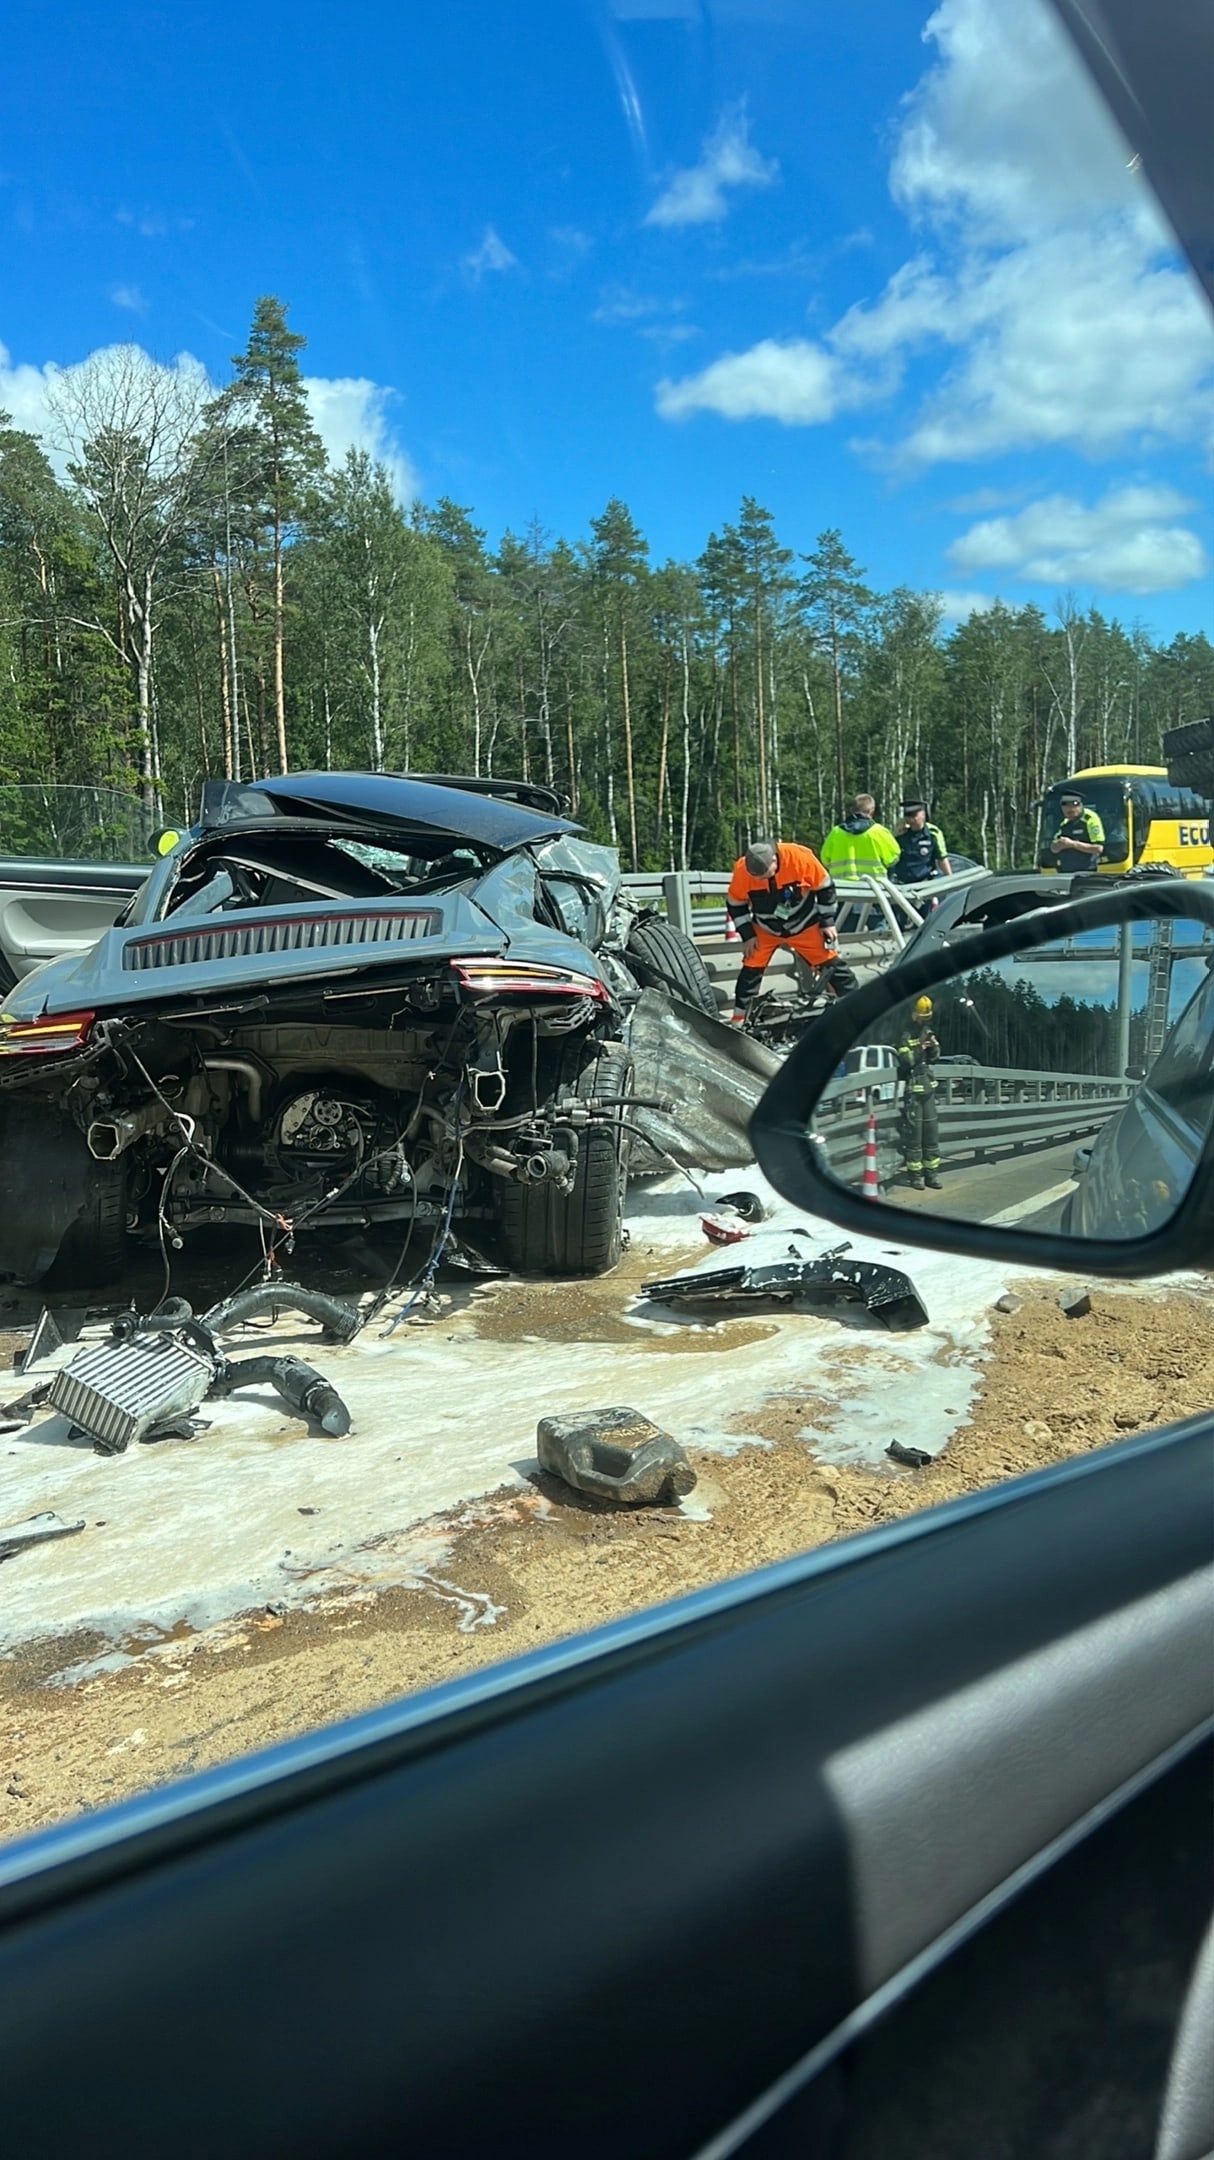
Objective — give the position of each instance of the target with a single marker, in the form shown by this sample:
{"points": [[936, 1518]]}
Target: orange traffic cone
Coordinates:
{"points": [[733, 935], [870, 1183]]}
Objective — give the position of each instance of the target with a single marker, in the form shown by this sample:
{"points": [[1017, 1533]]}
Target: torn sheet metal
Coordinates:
{"points": [[710, 1077], [886, 1292], [53, 1332], [36, 1530]]}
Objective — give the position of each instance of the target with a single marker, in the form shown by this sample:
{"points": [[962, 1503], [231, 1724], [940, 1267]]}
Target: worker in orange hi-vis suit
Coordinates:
{"points": [[780, 895]]}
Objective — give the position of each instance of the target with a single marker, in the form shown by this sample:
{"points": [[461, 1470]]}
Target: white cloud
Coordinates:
{"points": [[1079, 338], [667, 334], [1130, 541], [347, 412], [1005, 131], [792, 380], [24, 392], [1044, 292], [351, 413], [130, 297], [491, 256], [697, 195], [957, 607], [149, 224]]}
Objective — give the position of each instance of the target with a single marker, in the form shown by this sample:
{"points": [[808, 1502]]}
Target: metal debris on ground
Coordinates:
{"points": [[615, 1454], [35, 1530], [154, 1371], [54, 1330], [886, 1292], [914, 1458], [15, 1414]]}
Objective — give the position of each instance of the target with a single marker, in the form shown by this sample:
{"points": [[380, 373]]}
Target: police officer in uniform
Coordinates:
{"points": [[921, 850], [918, 1127], [1078, 843]]}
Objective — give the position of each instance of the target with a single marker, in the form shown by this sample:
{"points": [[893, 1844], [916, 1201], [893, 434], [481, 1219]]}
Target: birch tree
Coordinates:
{"points": [[130, 429]]}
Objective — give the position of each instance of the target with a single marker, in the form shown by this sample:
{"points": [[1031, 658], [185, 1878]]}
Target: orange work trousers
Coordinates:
{"points": [[809, 943]]}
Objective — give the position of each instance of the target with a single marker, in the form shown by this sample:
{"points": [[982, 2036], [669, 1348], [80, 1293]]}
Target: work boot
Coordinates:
{"points": [[916, 1184], [932, 1180]]}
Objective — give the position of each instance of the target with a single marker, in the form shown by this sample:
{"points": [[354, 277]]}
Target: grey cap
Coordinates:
{"points": [[1070, 795], [761, 858]]}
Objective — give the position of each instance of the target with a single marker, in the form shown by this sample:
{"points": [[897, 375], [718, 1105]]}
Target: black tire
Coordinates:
{"points": [[8, 980], [547, 1232], [1189, 755], [662, 958], [94, 1248]]}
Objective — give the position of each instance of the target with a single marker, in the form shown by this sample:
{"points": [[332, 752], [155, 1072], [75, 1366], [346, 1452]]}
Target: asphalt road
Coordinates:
{"points": [[1027, 1190]]}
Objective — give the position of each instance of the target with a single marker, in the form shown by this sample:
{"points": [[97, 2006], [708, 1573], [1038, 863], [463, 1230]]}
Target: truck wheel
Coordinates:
{"points": [[547, 1232], [662, 958], [1189, 755]]}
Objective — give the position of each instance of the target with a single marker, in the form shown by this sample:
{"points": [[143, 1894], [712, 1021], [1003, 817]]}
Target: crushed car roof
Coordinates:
{"points": [[384, 799]]}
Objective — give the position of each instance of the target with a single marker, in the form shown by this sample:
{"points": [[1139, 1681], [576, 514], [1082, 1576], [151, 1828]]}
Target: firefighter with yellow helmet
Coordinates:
{"points": [[918, 1126]]}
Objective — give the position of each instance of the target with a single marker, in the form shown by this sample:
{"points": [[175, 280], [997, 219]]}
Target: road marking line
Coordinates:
{"points": [[1032, 1206]]}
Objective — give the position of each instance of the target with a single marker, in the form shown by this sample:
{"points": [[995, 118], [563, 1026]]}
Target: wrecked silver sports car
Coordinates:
{"points": [[340, 999]]}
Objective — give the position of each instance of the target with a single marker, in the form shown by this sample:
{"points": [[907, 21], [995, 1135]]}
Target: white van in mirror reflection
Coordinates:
{"points": [[875, 1066]]}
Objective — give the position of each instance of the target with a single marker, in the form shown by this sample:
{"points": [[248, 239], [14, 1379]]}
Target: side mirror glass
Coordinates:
{"points": [[1055, 1077]]}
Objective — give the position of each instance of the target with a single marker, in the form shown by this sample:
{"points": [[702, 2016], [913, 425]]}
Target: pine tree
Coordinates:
{"points": [[836, 602], [265, 411]]}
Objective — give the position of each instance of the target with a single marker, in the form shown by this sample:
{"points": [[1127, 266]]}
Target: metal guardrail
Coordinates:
{"points": [[694, 901], [993, 1112]]}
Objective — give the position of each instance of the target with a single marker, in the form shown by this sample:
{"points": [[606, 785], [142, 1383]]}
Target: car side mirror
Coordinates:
{"points": [[1080, 1133]]}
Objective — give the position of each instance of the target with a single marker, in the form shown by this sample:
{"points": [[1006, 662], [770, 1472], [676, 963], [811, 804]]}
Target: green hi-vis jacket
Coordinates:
{"points": [[1086, 826], [859, 847]]}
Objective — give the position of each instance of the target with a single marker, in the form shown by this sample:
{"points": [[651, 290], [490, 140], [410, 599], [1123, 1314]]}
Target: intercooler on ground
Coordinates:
{"points": [[154, 1371], [120, 1392]]}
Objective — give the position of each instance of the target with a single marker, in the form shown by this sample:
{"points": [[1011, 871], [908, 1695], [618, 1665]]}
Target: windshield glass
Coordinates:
{"points": [[1108, 799], [42, 823], [752, 445]]}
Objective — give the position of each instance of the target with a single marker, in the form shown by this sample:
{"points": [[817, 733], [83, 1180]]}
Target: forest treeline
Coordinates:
{"points": [[205, 594]]}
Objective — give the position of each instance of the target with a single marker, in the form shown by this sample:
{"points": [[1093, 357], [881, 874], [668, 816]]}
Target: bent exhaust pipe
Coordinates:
{"points": [[108, 1138]]}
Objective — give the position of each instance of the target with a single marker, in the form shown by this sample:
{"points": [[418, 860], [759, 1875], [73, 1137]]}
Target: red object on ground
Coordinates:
{"points": [[719, 1233]]}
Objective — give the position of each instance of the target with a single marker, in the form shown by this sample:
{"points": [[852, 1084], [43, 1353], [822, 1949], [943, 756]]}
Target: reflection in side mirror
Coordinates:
{"points": [[1068, 1087]]}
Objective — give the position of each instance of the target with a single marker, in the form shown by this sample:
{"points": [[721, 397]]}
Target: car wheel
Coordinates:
{"points": [[548, 1232], [663, 958], [94, 1247]]}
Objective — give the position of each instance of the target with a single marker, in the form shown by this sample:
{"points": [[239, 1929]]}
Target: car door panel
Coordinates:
{"points": [[492, 1919], [49, 910]]}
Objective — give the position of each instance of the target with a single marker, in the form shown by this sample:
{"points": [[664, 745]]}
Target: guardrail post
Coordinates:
{"points": [[676, 891]]}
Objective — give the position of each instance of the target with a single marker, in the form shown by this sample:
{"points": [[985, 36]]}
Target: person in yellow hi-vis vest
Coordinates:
{"points": [[859, 846]]}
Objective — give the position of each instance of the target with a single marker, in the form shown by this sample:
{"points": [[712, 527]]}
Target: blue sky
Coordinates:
{"points": [[885, 270]]}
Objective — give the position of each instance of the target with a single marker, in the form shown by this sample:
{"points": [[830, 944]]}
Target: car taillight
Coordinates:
{"points": [[43, 1036], [502, 977]]}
